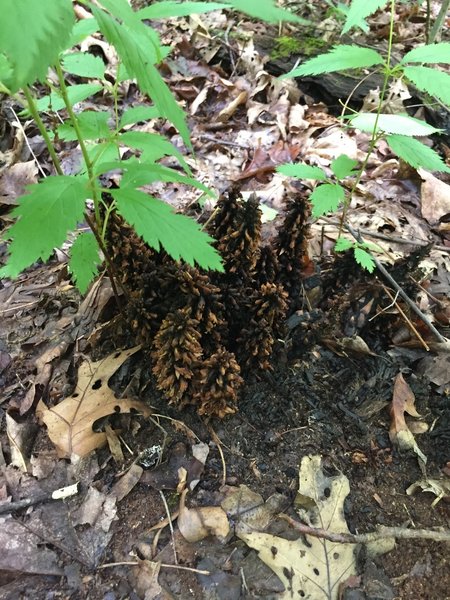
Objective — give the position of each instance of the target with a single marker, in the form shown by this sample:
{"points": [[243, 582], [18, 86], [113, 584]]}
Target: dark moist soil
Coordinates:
{"points": [[337, 407]]}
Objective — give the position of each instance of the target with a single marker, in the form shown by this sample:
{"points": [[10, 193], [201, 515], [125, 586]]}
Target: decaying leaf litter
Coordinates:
{"points": [[336, 400]]}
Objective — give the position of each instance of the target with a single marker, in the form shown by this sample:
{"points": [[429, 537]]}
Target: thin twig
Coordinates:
{"points": [[364, 538], [170, 525], [21, 128], [132, 563], [408, 321], [390, 238], [397, 288], [218, 443]]}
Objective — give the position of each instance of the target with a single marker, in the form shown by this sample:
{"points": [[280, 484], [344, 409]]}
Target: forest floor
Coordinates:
{"points": [[323, 399]]}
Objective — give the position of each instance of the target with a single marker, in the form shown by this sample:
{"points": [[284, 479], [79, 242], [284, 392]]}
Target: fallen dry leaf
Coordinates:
{"points": [[70, 422], [435, 197], [144, 578], [311, 567], [403, 402], [439, 487], [196, 524]]}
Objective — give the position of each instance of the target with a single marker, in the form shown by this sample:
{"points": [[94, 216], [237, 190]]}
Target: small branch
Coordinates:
{"points": [[133, 563], [409, 323], [398, 289], [389, 238], [364, 538]]}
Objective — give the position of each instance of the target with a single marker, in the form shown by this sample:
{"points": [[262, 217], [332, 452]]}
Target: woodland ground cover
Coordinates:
{"points": [[318, 359]]}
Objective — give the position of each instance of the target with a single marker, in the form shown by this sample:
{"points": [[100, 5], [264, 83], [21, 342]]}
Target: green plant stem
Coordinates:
{"points": [[108, 262], [97, 223], [84, 152], [42, 129], [435, 30], [375, 134]]}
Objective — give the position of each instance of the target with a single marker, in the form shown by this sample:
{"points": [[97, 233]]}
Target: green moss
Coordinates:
{"points": [[287, 46]]}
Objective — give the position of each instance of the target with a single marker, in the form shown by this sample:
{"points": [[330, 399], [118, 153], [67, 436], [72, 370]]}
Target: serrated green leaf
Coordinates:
{"points": [[343, 244], [168, 10], [155, 222], [364, 259], [416, 154], [76, 94], [139, 174], [398, 124], [45, 215], [434, 82], [266, 10], [84, 64], [146, 37], [93, 126], [326, 198], [6, 71], [32, 34], [343, 166], [137, 114], [139, 66], [153, 147], [81, 30], [99, 154], [359, 10], [84, 260], [339, 58], [432, 53], [301, 171]]}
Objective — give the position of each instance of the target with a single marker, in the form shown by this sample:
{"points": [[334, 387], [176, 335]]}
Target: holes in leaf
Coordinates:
{"points": [[336, 555], [316, 571], [97, 384], [301, 593], [327, 492]]}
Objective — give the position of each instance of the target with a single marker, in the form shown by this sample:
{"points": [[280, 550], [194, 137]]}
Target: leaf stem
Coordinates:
{"points": [[31, 105], [96, 224], [84, 152], [375, 135]]}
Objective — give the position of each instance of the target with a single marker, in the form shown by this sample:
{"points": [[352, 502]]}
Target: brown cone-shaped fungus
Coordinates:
{"points": [[292, 247], [267, 267], [234, 319], [219, 383], [176, 356], [204, 299], [267, 315], [237, 229], [129, 253]]}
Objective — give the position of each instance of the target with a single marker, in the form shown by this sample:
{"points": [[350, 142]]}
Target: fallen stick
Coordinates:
{"points": [[364, 538]]}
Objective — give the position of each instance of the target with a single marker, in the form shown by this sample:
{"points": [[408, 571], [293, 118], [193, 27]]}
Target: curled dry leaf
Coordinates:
{"points": [[196, 524], [439, 487], [403, 401], [70, 422]]}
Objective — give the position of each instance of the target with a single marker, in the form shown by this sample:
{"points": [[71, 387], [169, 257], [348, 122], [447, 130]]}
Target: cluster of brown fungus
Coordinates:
{"points": [[207, 331]]}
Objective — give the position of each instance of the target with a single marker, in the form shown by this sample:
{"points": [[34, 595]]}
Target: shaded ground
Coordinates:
{"points": [[321, 402]]}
